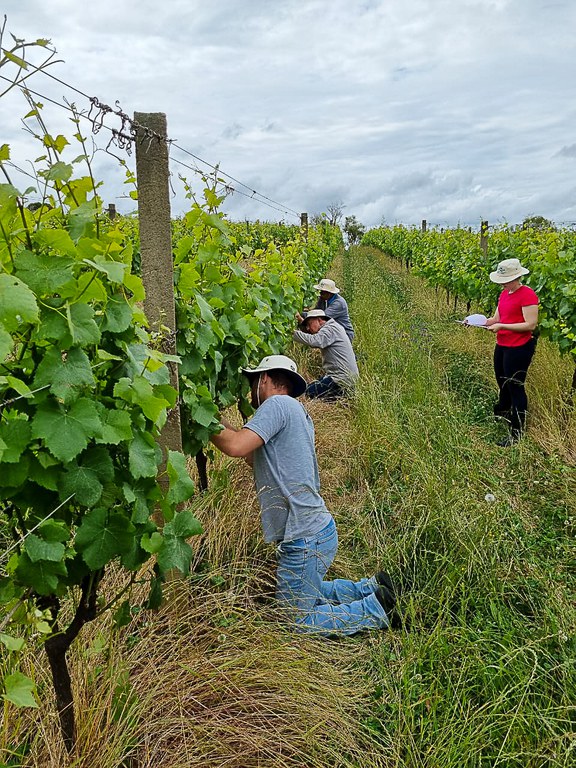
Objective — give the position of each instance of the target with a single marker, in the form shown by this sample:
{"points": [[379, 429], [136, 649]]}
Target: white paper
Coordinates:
{"points": [[478, 321]]}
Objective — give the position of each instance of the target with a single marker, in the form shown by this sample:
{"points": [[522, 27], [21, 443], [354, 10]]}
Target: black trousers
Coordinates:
{"points": [[511, 367]]}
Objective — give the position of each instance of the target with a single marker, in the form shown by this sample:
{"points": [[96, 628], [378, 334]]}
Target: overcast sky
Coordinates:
{"points": [[448, 110]]}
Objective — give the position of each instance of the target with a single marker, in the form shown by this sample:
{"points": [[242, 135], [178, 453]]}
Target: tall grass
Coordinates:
{"points": [[486, 674]]}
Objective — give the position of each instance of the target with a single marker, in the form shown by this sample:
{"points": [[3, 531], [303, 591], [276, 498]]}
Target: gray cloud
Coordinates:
{"points": [[567, 151], [400, 112]]}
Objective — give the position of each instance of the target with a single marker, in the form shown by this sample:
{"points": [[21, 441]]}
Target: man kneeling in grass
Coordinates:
{"points": [[278, 442], [338, 358]]}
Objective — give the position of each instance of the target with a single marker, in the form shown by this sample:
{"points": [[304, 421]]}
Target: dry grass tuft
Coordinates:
{"points": [[225, 686]]}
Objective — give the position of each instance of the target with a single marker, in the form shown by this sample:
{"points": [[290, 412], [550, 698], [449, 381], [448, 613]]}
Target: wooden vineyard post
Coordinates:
{"points": [[304, 224], [424, 225], [111, 211], [484, 238], [152, 171]]}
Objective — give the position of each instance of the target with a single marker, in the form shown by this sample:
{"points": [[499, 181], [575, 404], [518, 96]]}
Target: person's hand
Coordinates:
{"points": [[494, 327], [299, 318]]}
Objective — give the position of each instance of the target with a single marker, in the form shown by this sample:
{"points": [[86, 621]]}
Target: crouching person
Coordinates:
{"points": [[278, 442], [338, 358]]}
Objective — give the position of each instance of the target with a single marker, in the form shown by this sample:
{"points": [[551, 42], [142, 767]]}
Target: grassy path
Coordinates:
{"points": [[486, 675]]}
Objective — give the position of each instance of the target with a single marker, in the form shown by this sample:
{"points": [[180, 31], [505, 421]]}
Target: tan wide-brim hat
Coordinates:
{"points": [[327, 285], [280, 363], [312, 313], [508, 270]]}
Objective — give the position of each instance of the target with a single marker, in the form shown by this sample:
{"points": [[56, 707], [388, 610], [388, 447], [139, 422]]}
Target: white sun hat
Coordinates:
{"points": [[280, 363], [312, 313], [508, 270], [327, 285]]}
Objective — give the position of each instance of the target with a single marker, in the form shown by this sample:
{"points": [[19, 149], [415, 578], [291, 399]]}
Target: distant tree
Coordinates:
{"points": [[353, 229], [537, 222], [318, 218], [335, 213]]}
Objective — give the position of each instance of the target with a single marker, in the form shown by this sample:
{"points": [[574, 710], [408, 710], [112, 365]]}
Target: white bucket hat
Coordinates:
{"points": [[508, 270], [280, 363], [327, 285], [312, 313]]}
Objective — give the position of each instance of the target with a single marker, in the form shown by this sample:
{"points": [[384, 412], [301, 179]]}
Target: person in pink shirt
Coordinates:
{"points": [[514, 323]]}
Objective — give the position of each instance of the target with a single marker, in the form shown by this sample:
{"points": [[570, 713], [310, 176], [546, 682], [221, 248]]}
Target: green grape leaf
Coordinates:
{"points": [[174, 553], [12, 643], [44, 576], [152, 543], [205, 309], [188, 280], [114, 270], [205, 338], [204, 413], [38, 549], [66, 432], [54, 530], [57, 239], [46, 477], [102, 536], [143, 456], [59, 171], [82, 326], [17, 303], [46, 273], [14, 475], [138, 364], [14, 435], [6, 343], [116, 426], [17, 384], [123, 615], [84, 483], [20, 690], [135, 285], [80, 219], [181, 485], [66, 373], [155, 595], [53, 326], [183, 525], [86, 479]]}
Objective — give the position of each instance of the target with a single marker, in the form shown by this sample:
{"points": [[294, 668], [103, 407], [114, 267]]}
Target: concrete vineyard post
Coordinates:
{"points": [[152, 170]]}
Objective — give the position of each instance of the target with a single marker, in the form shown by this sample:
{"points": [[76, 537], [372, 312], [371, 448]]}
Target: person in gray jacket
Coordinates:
{"points": [[334, 305], [338, 359]]}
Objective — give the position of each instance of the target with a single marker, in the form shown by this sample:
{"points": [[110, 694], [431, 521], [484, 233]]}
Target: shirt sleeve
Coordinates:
{"points": [[319, 339], [530, 298], [268, 420]]}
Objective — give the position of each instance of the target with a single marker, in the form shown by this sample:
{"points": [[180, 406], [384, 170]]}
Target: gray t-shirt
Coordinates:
{"points": [[286, 471]]}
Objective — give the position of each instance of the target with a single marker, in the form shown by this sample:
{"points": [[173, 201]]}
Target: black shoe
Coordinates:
{"points": [[386, 595], [509, 440]]}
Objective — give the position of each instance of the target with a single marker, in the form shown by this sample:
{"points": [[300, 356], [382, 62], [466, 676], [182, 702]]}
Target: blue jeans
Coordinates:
{"points": [[325, 388], [339, 607]]}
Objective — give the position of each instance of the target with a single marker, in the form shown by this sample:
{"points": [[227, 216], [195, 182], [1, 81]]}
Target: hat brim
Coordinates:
{"points": [[319, 288], [299, 383], [502, 279], [314, 317]]}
